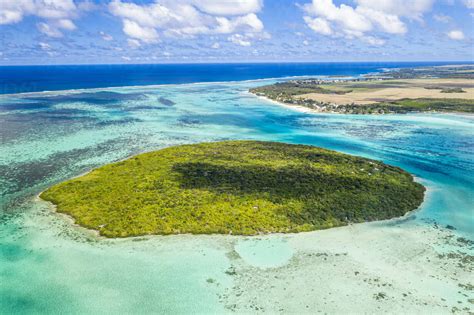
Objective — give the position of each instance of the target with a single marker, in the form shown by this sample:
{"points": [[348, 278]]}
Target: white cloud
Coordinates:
{"points": [[55, 9], [319, 25], [53, 28], [456, 35], [249, 22], [239, 39], [57, 15], [364, 20], [374, 41], [47, 49], [343, 17], [216, 46], [135, 30], [187, 18], [10, 16], [388, 23], [66, 24], [442, 18], [106, 37], [229, 7], [13, 11], [305, 42], [126, 58], [469, 4], [49, 30], [413, 9], [87, 5], [44, 46], [133, 43]]}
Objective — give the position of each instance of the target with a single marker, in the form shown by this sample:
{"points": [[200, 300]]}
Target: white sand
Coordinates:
{"points": [[362, 269]]}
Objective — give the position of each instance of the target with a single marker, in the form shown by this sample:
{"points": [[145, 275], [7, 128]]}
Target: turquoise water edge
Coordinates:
{"points": [[48, 265]]}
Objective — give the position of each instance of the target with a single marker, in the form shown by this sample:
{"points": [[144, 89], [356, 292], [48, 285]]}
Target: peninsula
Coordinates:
{"points": [[235, 187], [440, 89]]}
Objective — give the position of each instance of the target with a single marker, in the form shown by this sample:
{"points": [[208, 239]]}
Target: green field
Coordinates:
{"points": [[426, 104], [238, 187]]}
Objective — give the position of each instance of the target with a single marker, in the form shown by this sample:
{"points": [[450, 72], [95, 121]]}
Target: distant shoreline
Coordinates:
{"points": [[304, 109], [42, 78], [397, 91]]}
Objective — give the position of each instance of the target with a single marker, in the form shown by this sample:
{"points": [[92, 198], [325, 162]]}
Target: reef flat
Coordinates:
{"points": [[235, 187]]}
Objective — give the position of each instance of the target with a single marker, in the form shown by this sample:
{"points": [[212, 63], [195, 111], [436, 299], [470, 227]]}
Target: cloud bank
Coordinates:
{"points": [[366, 18], [189, 18], [57, 15]]}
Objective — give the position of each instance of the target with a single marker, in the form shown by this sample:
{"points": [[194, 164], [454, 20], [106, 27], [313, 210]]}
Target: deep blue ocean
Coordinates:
{"points": [[20, 79]]}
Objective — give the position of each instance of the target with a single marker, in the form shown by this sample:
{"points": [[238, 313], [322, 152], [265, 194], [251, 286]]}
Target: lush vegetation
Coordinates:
{"points": [[238, 187], [407, 105], [297, 87], [455, 72], [432, 104]]}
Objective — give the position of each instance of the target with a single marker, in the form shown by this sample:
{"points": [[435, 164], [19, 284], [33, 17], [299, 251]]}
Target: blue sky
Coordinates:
{"points": [[161, 31]]}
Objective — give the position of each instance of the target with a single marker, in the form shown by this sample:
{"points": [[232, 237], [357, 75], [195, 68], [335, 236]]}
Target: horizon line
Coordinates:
{"points": [[460, 62]]}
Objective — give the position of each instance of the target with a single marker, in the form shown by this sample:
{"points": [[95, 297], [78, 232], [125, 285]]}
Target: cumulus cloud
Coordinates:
{"points": [[229, 7], [187, 18], [319, 25], [58, 15], [456, 35], [250, 22], [135, 30], [239, 39], [469, 4], [363, 19], [66, 24], [413, 9], [13, 11]]}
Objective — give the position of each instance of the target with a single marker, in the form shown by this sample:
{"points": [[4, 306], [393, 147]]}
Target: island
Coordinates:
{"points": [[235, 187], [430, 89]]}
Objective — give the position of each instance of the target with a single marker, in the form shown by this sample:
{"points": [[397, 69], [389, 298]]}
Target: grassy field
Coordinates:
{"points": [[388, 91], [238, 187]]}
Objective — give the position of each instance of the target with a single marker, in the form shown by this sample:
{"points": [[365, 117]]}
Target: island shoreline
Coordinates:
{"points": [[70, 219]]}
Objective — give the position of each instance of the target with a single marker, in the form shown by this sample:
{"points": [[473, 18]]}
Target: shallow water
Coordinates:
{"points": [[47, 265]]}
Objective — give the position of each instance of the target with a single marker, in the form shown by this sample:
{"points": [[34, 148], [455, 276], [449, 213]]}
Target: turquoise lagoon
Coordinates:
{"points": [[47, 265]]}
